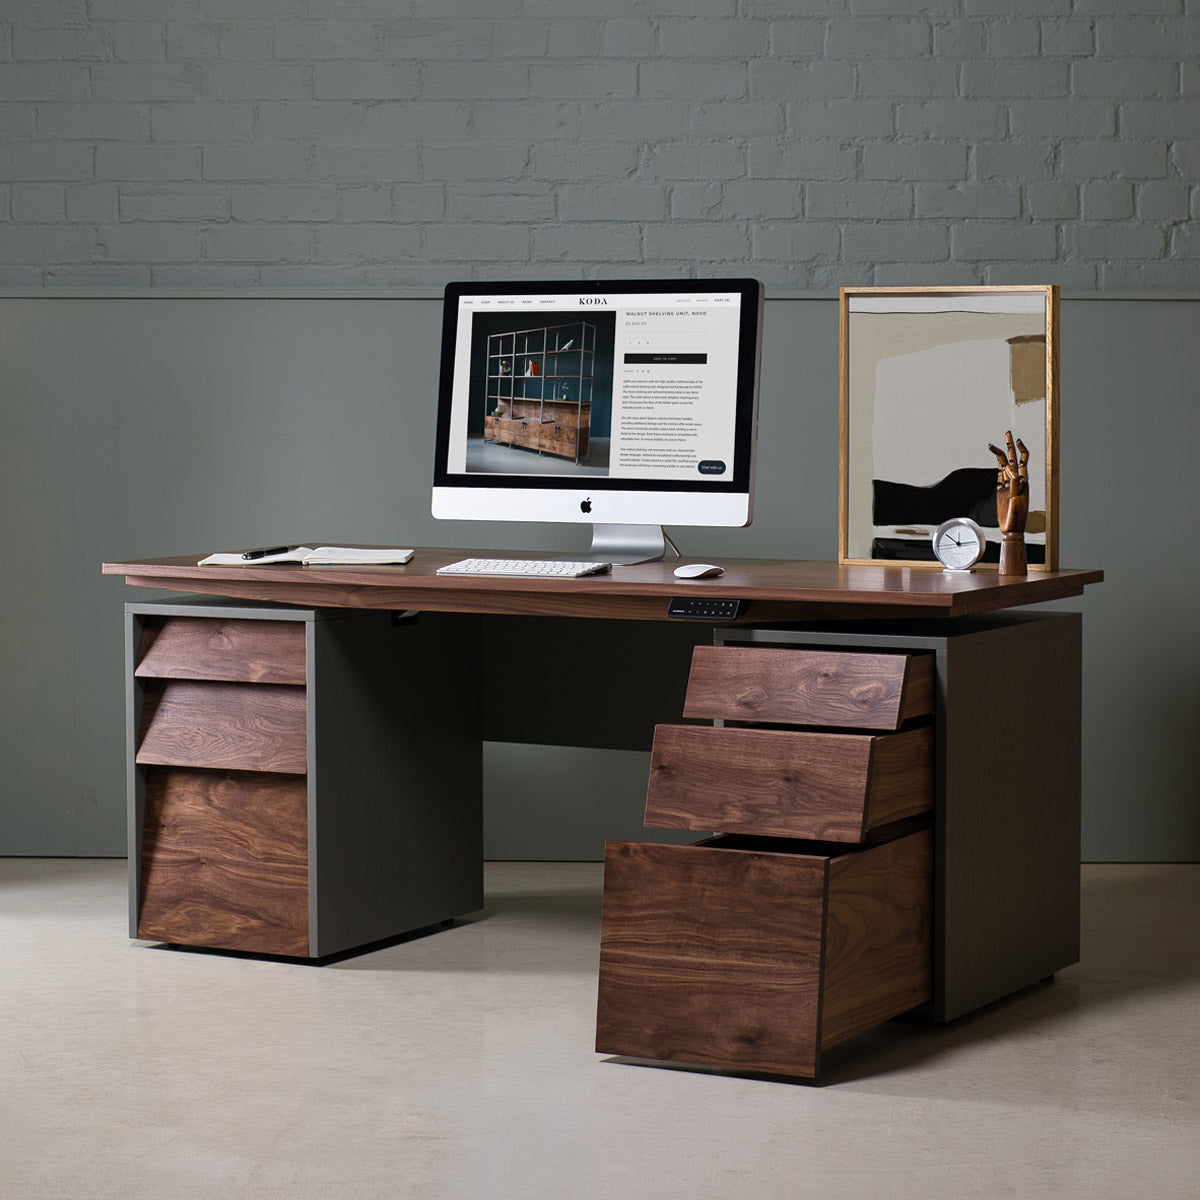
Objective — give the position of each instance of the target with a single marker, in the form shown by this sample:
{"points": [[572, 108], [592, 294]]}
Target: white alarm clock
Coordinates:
{"points": [[959, 544]]}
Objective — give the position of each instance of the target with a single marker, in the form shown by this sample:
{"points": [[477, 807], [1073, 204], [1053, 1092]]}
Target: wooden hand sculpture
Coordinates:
{"points": [[1012, 504]]}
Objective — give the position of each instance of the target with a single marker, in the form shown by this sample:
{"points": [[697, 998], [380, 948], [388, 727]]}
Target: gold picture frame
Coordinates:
{"points": [[928, 378]]}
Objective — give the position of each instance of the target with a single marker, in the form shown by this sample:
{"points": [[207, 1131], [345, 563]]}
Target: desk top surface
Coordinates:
{"points": [[774, 589]]}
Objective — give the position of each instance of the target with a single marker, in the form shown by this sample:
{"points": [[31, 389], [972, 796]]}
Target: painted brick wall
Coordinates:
{"points": [[398, 143]]}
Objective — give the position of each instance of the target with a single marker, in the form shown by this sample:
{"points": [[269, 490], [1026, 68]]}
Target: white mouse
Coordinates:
{"points": [[698, 571]]}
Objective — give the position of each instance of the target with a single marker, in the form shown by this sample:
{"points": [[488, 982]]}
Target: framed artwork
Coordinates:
{"points": [[929, 377]]}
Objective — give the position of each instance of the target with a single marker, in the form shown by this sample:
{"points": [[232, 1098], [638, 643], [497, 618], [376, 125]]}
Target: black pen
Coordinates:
{"points": [[267, 553]]}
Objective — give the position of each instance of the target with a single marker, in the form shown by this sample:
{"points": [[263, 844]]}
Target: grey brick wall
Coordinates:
{"points": [[399, 143]]}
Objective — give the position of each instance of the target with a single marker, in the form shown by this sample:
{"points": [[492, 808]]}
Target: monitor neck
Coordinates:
{"points": [[627, 544]]}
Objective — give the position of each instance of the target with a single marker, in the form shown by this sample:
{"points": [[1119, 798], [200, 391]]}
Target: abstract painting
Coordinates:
{"points": [[928, 378]]}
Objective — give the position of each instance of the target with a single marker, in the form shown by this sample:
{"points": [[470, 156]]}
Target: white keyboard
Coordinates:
{"points": [[550, 568]]}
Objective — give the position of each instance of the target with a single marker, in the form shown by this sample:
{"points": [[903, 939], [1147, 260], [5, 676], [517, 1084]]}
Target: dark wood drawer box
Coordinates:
{"points": [[787, 783], [757, 954], [768, 685]]}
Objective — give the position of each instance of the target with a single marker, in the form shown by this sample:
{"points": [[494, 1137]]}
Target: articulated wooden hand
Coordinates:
{"points": [[1012, 504]]}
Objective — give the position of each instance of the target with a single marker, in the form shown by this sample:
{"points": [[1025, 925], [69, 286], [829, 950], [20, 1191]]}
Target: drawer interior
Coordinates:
{"points": [[757, 952]]}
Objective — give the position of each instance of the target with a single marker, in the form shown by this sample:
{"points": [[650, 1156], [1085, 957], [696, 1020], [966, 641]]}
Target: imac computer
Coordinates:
{"points": [[624, 405]]}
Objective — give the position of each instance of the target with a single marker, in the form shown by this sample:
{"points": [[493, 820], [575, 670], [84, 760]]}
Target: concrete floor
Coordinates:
{"points": [[459, 1066]]}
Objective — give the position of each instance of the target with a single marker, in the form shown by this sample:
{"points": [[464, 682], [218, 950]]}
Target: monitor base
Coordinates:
{"points": [[628, 544]]}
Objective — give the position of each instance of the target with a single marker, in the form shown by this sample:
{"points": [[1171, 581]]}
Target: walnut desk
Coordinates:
{"points": [[891, 758]]}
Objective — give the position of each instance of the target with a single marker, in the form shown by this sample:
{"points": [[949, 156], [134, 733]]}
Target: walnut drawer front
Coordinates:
{"points": [[225, 860], [756, 954], [852, 689], [787, 783], [203, 723], [219, 648]]}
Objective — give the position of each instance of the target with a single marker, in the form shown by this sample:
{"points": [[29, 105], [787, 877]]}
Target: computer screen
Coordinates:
{"points": [[625, 404]]}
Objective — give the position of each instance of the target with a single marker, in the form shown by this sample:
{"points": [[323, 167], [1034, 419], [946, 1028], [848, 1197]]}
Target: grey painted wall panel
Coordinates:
{"points": [[1130, 500], [39, 800], [139, 427]]}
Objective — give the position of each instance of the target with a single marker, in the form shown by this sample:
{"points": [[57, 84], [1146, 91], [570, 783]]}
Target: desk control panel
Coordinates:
{"points": [[708, 608]]}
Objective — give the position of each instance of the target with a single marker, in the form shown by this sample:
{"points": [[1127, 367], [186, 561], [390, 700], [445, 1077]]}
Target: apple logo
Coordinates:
{"points": [[585, 506]]}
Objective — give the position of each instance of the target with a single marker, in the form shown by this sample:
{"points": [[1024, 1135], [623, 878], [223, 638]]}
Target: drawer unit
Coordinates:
{"points": [[757, 954], [809, 918], [1006, 785], [280, 797]]}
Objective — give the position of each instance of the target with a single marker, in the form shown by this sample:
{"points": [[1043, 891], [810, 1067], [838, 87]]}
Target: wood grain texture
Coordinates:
{"points": [[777, 590], [778, 783], [225, 861], [215, 648], [755, 954], [806, 687], [251, 727], [879, 936], [390, 839], [920, 687], [901, 783], [710, 956], [555, 427]]}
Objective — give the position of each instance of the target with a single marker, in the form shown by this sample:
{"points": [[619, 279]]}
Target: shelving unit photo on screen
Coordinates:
{"points": [[539, 388]]}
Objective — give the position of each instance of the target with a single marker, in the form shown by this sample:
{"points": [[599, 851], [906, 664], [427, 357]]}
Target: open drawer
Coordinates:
{"points": [[758, 954], [787, 783]]}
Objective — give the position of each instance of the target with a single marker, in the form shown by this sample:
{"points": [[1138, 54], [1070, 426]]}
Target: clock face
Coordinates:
{"points": [[959, 544]]}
